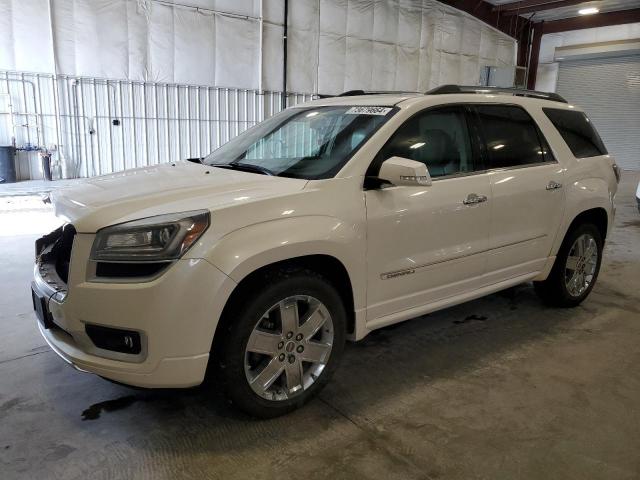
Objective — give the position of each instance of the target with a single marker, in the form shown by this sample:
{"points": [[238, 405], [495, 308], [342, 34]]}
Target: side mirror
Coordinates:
{"points": [[404, 172]]}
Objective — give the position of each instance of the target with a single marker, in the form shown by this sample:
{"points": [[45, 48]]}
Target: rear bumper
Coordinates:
{"points": [[175, 314]]}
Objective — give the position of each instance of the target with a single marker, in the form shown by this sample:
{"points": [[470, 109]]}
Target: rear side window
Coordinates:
{"points": [[511, 136], [577, 131]]}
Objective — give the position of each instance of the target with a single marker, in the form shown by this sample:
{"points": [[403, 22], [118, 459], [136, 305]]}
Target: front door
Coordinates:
{"points": [[425, 244]]}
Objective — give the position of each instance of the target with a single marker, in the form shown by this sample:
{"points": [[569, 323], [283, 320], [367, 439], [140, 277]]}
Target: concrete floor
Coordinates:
{"points": [[498, 388]]}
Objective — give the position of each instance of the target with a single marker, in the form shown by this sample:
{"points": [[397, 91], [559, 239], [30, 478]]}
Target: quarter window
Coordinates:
{"points": [[438, 138], [510, 135], [577, 131]]}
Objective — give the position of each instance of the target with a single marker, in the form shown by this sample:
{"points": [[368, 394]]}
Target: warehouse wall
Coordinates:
{"points": [[547, 76], [151, 66], [333, 44], [388, 45]]}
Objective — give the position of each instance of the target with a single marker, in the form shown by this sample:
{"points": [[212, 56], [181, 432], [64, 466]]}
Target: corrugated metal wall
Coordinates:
{"points": [[97, 126]]}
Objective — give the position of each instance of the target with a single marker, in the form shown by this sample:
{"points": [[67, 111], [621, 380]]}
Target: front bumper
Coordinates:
{"points": [[176, 315]]}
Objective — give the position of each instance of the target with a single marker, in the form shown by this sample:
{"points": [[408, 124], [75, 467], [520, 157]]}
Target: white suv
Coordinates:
{"points": [[321, 224]]}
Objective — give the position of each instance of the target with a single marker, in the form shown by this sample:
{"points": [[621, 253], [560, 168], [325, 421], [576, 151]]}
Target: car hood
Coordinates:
{"points": [[144, 192]]}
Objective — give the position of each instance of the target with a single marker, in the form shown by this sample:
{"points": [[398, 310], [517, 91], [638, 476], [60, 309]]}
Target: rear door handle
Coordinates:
{"points": [[553, 185], [474, 198]]}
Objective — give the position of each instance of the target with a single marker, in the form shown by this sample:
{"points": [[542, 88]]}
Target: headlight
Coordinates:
{"points": [[153, 239]]}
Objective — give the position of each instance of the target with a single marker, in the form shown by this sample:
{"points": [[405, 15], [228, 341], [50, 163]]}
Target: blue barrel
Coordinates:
{"points": [[7, 165]]}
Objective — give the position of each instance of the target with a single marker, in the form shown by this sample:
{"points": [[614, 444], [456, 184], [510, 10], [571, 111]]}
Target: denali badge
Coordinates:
{"points": [[399, 273]]}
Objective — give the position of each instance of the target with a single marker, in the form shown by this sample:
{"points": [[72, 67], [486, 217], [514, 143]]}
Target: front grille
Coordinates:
{"points": [[63, 254], [56, 250]]}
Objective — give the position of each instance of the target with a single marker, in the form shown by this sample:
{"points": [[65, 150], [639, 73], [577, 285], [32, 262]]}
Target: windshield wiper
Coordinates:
{"points": [[246, 167]]}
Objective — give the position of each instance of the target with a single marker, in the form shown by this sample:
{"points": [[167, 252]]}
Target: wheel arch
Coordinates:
{"points": [[588, 199], [326, 265], [598, 216]]}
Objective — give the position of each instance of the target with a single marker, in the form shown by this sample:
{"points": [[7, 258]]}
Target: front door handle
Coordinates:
{"points": [[474, 198], [553, 185]]}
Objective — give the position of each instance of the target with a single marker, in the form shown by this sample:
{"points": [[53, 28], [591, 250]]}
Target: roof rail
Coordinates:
{"points": [[353, 93], [444, 89]]}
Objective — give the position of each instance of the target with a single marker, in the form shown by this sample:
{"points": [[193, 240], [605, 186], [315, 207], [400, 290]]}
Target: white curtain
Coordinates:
{"points": [[334, 45]]}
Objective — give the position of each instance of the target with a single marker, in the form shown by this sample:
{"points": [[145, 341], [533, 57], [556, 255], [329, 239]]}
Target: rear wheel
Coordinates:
{"points": [[576, 268], [283, 344]]}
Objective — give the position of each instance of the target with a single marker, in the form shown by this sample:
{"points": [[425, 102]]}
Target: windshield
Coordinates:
{"points": [[310, 143]]}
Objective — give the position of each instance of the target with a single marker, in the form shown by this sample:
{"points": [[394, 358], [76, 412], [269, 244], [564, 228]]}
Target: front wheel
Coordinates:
{"points": [[283, 344], [575, 270]]}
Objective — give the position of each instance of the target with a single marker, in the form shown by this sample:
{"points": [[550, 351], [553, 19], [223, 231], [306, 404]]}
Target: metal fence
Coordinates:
{"points": [[95, 126]]}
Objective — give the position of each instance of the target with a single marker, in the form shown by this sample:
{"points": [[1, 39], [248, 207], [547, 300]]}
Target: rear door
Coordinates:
{"points": [[526, 189]]}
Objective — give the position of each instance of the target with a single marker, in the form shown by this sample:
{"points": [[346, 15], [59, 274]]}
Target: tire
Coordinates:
{"points": [[565, 287], [255, 326]]}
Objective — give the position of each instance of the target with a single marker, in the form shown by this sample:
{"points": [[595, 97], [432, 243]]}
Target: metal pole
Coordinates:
{"points": [[157, 124], [218, 125], [237, 114], [97, 125], [188, 93], [228, 98], [166, 123], [56, 101], [260, 46], [199, 123], [209, 124], [76, 113], [70, 109], [246, 109], [39, 113], [121, 103], [284, 55], [134, 129], [26, 107], [179, 113], [112, 161], [147, 159], [84, 134]]}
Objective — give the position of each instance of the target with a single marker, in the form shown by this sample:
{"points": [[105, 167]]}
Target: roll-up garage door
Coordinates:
{"points": [[608, 89]]}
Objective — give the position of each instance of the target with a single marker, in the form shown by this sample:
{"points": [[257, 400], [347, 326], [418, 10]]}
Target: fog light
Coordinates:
{"points": [[114, 339]]}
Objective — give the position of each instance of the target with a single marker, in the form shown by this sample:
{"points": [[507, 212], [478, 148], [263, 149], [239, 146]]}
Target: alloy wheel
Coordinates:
{"points": [[289, 347], [581, 265]]}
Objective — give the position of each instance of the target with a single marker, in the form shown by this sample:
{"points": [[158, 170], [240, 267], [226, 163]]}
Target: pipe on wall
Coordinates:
{"points": [[532, 68], [284, 56]]}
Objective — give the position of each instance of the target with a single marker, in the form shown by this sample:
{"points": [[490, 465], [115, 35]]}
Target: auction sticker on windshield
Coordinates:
{"points": [[368, 111]]}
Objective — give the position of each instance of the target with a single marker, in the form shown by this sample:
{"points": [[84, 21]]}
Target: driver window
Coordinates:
{"points": [[438, 138]]}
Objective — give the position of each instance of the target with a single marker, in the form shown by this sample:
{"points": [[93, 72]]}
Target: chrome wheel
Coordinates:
{"points": [[581, 264], [288, 348]]}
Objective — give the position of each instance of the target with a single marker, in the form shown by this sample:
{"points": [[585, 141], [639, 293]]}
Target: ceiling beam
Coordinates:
{"points": [[607, 19], [530, 6], [483, 10]]}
